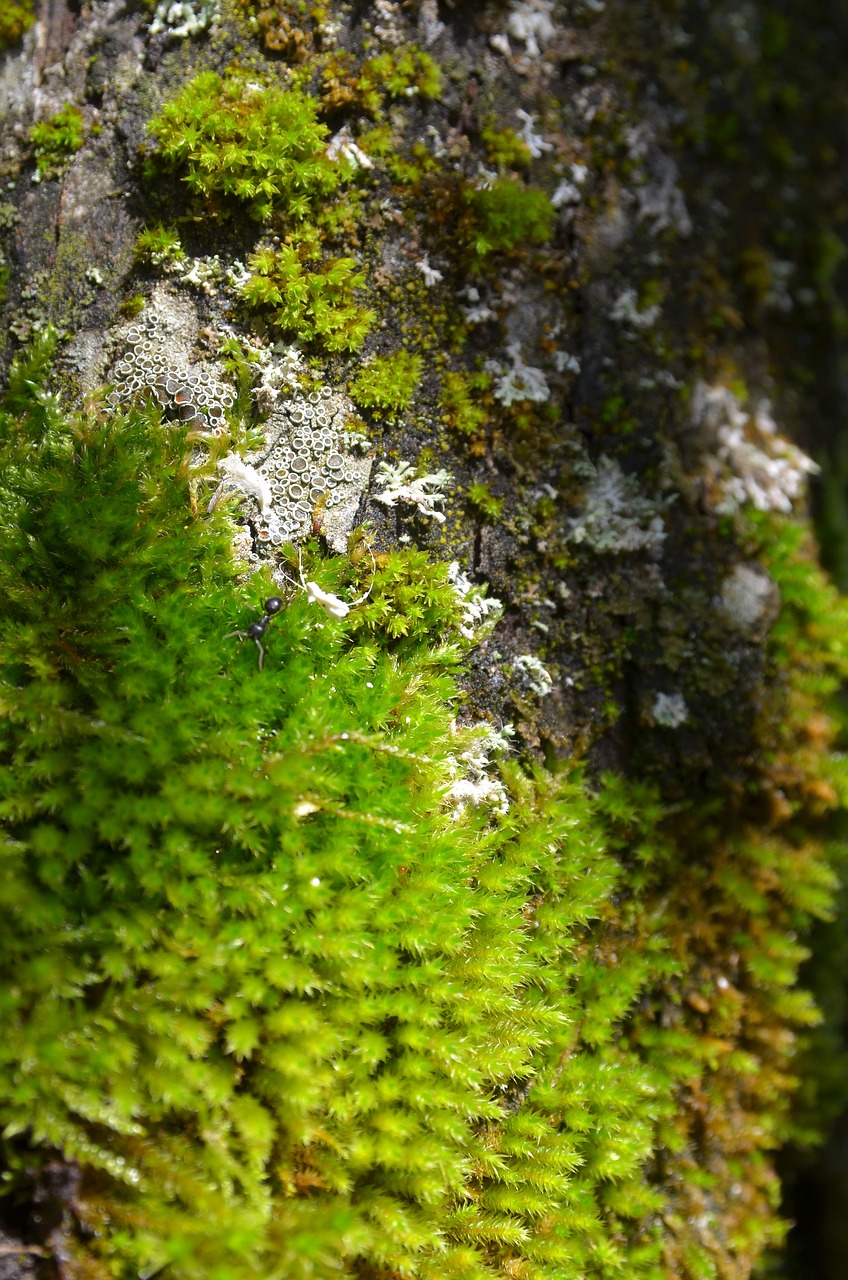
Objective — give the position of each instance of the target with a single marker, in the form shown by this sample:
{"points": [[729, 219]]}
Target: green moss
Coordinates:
{"points": [[346, 83], [15, 19], [387, 382], [236, 141], [286, 26], [271, 987], [57, 139], [498, 218], [316, 305], [412, 603], [399, 72], [159, 246], [505, 148], [463, 401], [132, 306], [306, 1006], [484, 501]]}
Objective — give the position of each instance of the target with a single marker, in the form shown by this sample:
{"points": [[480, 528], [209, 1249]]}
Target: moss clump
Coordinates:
{"points": [[400, 72], [286, 28], [315, 304], [461, 401], [237, 142], [387, 382], [396, 73], [57, 139], [484, 502], [505, 215], [412, 602], [271, 984], [159, 246], [15, 19], [290, 969], [505, 148]]}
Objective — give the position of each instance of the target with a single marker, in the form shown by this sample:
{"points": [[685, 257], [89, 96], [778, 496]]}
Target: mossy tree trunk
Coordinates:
{"points": [[518, 289]]}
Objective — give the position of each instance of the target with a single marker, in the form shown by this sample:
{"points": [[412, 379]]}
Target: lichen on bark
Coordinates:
{"points": [[463, 938]]}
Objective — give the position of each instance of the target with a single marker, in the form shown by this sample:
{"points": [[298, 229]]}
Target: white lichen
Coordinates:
{"points": [[403, 486], [431, 274], [534, 141], [429, 23], [389, 28], [751, 461], [566, 363], [532, 674], [247, 479], [747, 596], [656, 190], [478, 310], [183, 18], [332, 605], [616, 517], [237, 275], [342, 146], [479, 611], [519, 382], [531, 21], [204, 273], [568, 191], [669, 710], [472, 782], [626, 311]]}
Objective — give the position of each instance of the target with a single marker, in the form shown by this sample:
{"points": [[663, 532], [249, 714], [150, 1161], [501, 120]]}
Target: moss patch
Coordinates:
{"points": [[57, 139]]}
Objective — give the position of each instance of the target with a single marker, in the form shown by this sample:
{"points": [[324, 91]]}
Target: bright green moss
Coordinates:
{"points": [[285, 990], [484, 501], [411, 603], [271, 985], [504, 216], [132, 306], [55, 140], [313, 304], [15, 19], [387, 382], [398, 72], [159, 246], [236, 141]]}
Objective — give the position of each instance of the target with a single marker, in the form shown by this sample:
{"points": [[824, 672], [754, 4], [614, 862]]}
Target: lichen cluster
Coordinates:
{"points": [[308, 466], [150, 368]]}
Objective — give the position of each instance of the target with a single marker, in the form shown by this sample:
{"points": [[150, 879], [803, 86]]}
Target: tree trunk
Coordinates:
{"points": [[567, 266]]}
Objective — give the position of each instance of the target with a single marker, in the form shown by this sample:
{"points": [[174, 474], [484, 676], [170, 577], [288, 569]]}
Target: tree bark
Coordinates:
{"points": [[630, 367]]}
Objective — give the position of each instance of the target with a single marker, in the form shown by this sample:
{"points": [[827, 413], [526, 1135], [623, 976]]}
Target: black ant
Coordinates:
{"points": [[257, 629]]}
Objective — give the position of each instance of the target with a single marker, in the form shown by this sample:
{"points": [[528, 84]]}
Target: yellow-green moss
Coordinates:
{"points": [[57, 139], [387, 382], [235, 141], [15, 19]]}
